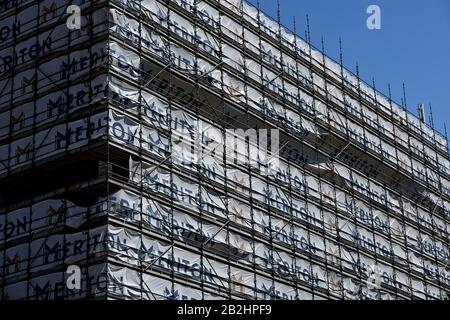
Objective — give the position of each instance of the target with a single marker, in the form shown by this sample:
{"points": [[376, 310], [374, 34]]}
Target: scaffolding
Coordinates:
{"points": [[360, 191]]}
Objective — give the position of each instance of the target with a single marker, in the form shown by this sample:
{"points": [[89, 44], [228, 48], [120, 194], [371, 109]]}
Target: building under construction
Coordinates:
{"points": [[112, 160]]}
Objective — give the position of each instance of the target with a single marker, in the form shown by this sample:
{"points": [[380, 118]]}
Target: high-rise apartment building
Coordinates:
{"points": [[116, 160]]}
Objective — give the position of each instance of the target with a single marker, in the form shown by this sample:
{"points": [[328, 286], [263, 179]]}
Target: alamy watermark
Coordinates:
{"points": [[198, 143], [73, 281], [374, 20], [374, 279], [74, 20]]}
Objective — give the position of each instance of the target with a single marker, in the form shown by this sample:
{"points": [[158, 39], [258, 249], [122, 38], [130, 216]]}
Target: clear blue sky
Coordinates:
{"points": [[413, 45]]}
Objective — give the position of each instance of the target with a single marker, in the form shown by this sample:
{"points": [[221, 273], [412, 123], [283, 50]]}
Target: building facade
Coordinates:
{"points": [[115, 159]]}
